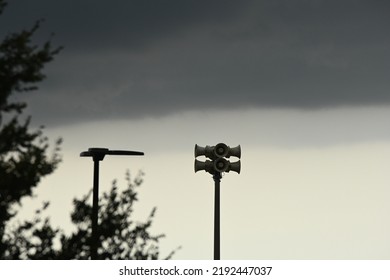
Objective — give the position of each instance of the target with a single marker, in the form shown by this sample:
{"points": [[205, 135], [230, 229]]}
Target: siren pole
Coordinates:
{"points": [[217, 233]]}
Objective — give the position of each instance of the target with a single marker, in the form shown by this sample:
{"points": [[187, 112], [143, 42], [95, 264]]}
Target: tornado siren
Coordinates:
{"points": [[217, 155]]}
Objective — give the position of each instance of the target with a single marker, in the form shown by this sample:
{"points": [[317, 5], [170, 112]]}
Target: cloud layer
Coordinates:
{"points": [[131, 59]]}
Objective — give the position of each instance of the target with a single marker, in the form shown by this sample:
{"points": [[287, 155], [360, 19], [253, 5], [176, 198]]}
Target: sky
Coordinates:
{"points": [[300, 85]]}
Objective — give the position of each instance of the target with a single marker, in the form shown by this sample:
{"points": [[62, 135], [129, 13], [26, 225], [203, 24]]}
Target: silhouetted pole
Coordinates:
{"points": [[217, 233], [97, 155], [95, 210]]}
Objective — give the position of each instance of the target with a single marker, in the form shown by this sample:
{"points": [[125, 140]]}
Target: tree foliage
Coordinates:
{"points": [[24, 158], [120, 236]]}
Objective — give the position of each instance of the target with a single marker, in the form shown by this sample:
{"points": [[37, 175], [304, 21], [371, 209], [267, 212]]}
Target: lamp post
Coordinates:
{"points": [[98, 155], [216, 166]]}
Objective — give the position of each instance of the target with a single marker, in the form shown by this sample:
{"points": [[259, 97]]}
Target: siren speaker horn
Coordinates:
{"points": [[203, 165], [235, 152], [235, 166], [221, 165], [199, 165], [207, 151], [221, 150], [199, 151]]}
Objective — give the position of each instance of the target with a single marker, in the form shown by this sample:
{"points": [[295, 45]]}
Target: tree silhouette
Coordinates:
{"points": [[24, 156], [120, 236]]}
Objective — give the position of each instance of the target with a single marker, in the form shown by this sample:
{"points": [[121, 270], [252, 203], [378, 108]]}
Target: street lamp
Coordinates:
{"points": [[216, 166], [97, 155]]}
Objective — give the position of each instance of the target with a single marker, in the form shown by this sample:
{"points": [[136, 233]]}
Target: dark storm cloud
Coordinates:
{"points": [[142, 58], [91, 24]]}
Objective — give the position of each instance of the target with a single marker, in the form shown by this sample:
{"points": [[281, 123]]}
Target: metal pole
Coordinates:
{"points": [[217, 248], [97, 155], [95, 210]]}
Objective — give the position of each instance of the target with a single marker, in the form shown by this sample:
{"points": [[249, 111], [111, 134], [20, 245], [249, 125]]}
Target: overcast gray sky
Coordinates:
{"points": [[142, 58], [301, 85]]}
